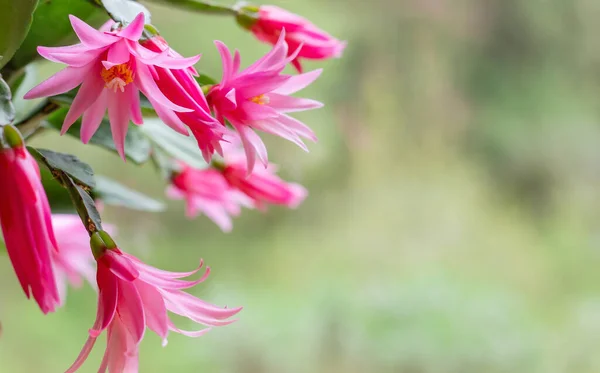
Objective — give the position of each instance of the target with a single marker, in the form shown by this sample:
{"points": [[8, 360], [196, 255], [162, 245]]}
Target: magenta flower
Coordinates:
{"points": [[261, 185], [181, 87], [26, 222], [73, 261], [206, 191], [258, 98], [315, 43], [112, 69], [134, 296]]}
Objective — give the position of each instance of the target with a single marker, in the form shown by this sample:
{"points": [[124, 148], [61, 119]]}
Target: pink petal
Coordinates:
{"points": [[298, 82], [120, 265], [83, 355], [61, 82], [136, 108], [146, 84], [86, 96], [119, 109], [130, 309], [107, 300], [288, 104], [93, 117], [73, 57], [155, 310], [226, 61], [187, 333], [118, 54], [134, 30], [89, 35]]}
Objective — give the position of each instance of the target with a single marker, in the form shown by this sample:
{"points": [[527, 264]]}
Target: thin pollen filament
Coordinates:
{"points": [[260, 99], [117, 77]]}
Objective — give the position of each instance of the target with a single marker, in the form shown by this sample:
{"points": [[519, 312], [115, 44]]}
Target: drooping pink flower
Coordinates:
{"points": [[26, 222], [315, 43], [112, 69], [133, 296], [261, 185], [258, 98], [181, 87], [73, 261], [206, 191]]}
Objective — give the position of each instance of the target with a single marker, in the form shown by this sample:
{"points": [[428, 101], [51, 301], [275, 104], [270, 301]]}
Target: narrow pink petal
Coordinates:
{"points": [[274, 58], [89, 35], [159, 272], [187, 333], [118, 54], [61, 82], [155, 310], [134, 30], [130, 309], [120, 265], [189, 305], [83, 355], [169, 118], [119, 110], [86, 96], [289, 104], [226, 61], [93, 117], [74, 58], [146, 84], [246, 143], [298, 82], [237, 59], [136, 108], [107, 300]]}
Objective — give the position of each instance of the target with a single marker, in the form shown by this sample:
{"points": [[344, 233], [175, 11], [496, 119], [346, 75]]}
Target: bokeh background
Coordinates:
{"points": [[453, 220]]}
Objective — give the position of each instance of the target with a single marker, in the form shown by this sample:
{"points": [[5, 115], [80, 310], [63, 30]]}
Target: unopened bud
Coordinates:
{"points": [[13, 137]]}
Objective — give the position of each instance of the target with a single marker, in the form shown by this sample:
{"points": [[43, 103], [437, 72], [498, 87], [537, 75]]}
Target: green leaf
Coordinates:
{"points": [[68, 163], [113, 193], [86, 207], [51, 26], [204, 79], [7, 110], [125, 10], [15, 19], [178, 146], [137, 147]]}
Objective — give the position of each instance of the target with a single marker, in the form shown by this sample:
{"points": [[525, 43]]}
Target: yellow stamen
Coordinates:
{"points": [[261, 100], [117, 77]]}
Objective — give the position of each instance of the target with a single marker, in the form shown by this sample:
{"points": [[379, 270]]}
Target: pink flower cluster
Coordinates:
{"points": [[112, 68]]}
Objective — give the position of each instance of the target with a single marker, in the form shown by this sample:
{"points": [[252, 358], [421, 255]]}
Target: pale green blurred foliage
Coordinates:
{"points": [[452, 223]]}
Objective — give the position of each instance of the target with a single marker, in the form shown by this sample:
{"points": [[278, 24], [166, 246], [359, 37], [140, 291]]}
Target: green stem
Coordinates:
{"points": [[35, 120], [202, 6]]}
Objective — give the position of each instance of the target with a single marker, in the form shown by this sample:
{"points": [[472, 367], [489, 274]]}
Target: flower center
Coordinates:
{"points": [[260, 99], [117, 77]]}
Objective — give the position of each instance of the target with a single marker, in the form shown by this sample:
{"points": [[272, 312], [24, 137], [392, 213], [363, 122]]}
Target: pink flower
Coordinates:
{"points": [[112, 69], [73, 260], [134, 296], [261, 185], [206, 191], [315, 43], [258, 98], [181, 87], [26, 222]]}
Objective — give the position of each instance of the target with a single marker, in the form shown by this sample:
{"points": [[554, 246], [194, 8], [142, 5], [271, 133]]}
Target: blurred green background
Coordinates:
{"points": [[453, 222]]}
